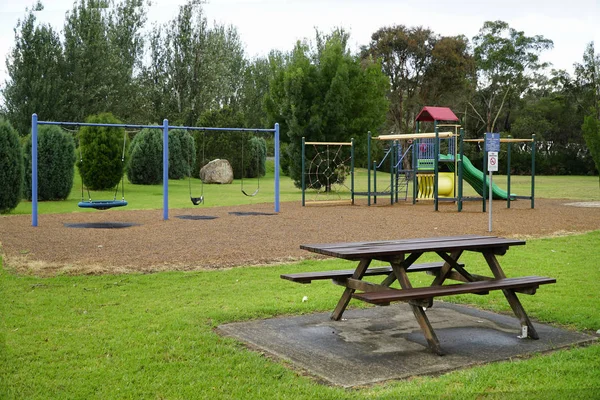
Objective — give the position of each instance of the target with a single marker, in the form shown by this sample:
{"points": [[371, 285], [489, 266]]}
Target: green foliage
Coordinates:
{"points": [[145, 166], [591, 133], [182, 154], [102, 50], [11, 167], [257, 157], [56, 163], [35, 70], [193, 68], [102, 149], [506, 60], [423, 68], [328, 95], [230, 146]]}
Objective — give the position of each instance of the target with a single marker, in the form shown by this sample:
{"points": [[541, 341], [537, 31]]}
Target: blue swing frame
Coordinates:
{"points": [[165, 128]]}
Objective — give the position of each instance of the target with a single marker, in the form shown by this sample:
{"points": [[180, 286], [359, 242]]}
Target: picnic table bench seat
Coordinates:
{"points": [[526, 284], [308, 277]]}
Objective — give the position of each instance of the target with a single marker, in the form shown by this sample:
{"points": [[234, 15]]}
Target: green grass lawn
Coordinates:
{"points": [[151, 336], [144, 197]]}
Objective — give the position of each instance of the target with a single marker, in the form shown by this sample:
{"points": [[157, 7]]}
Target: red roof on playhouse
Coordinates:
{"points": [[430, 114]]}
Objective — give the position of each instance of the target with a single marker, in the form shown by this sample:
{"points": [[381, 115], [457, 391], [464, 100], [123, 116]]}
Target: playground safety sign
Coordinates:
{"points": [[493, 161]]}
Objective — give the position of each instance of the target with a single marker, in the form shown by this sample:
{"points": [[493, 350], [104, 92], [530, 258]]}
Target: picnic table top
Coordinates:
{"points": [[387, 248]]}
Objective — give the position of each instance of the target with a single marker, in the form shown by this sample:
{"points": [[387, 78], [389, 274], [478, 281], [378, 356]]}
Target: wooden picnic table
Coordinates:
{"points": [[401, 256]]}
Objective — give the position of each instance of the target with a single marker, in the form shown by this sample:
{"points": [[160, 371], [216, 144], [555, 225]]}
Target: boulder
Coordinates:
{"points": [[217, 171]]}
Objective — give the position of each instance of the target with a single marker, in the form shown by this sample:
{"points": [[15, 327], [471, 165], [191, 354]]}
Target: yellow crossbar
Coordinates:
{"points": [[427, 135]]}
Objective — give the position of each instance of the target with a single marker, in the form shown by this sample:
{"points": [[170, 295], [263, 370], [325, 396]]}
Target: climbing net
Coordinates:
{"points": [[327, 172]]}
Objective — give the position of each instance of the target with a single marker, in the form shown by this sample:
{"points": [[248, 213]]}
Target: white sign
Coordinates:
{"points": [[493, 161]]}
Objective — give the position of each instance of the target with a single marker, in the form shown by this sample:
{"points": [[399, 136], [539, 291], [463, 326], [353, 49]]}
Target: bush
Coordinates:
{"points": [[145, 165], [182, 154], [101, 165], [56, 163], [11, 168], [257, 157]]}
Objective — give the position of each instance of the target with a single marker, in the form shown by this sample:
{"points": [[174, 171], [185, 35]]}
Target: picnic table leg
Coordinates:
{"points": [[441, 277], [421, 317], [347, 295], [511, 297]]}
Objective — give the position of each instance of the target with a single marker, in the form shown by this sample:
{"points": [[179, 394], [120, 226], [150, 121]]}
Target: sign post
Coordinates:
{"points": [[492, 147]]}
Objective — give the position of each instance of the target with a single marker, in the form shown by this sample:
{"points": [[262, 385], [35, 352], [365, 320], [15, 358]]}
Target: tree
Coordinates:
{"points": [[423, 69], [35, 74], [56, 162], [103, 47], [102, 150], [193, 68], [505, 60], [11, 168], [591, 133], [588, 79], [327, 94], [145, 166], [588, 75]]}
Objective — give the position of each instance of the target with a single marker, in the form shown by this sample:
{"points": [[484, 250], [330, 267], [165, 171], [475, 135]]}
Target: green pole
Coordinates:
{"points": [[460, 170], [436, 152], [303, 166], [369, 169], [508, 150], [533, 146], [352, 169], [374, 182], [484, 174]]}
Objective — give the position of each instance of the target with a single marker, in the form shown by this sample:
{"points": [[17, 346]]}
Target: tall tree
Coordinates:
{"points": [[327, 94], [588, 74], [588, 79], [423, 69], [88, 60], [193, 68], [35, 79], [506, 60], [125, 25], [103, 48]]}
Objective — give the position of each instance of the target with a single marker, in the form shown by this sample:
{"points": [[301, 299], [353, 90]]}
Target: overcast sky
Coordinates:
{"points": [[277, 24]]}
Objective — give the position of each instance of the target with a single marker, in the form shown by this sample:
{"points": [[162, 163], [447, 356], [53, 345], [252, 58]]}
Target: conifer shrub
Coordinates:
{"points": [[11, 168], [257, 155], [102, 164], [56, 163], [145, 165], [182, 154]]}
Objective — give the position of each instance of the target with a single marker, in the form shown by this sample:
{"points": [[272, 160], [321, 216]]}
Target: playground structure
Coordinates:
{"points": [[434, 164], [433, 151], [324, 174], [105, 204]]}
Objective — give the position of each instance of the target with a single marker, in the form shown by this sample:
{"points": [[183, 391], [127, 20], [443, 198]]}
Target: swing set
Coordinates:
{"points": [[107, 204]]}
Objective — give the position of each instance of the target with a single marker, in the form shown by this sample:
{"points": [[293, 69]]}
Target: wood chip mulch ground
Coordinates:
{"points": [[123, 241]]}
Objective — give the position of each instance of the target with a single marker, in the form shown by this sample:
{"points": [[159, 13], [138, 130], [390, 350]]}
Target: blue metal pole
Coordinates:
{"points": [[277, 167], [165, 169], [34, 170]]}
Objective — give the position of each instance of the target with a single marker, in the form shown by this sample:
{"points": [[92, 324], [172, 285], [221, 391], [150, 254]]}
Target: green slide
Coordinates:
{"points": [[475, 178]]}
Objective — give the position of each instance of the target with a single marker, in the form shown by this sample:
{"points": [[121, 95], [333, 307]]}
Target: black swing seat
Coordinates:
{"points": [[197, 200], [250, 194], [102, 204]]}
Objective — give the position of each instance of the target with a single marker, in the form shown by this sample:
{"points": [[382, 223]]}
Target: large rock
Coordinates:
{"points": [[217, 171]]}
